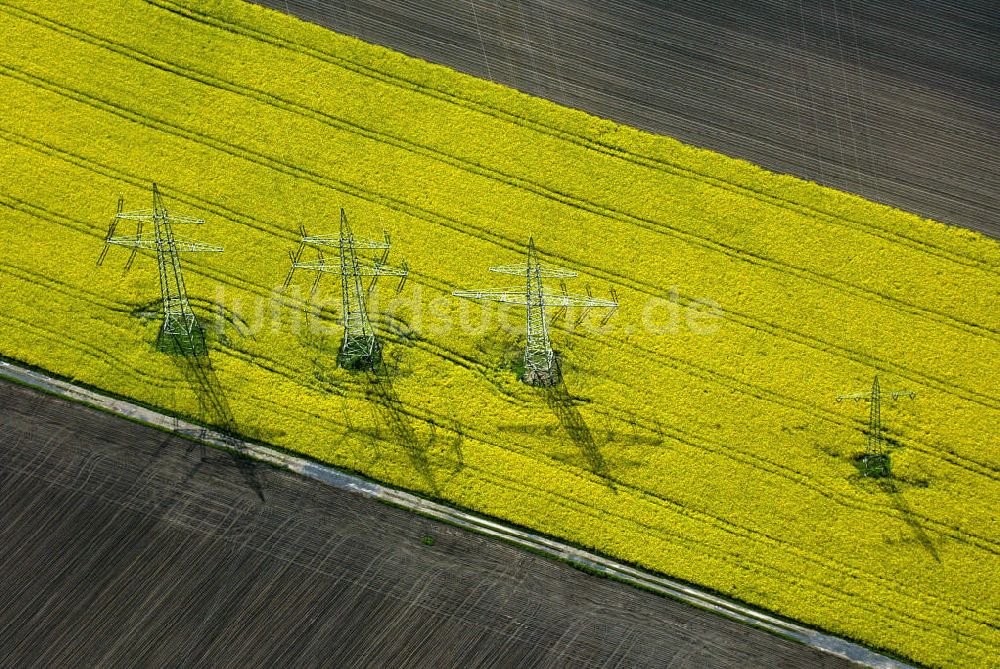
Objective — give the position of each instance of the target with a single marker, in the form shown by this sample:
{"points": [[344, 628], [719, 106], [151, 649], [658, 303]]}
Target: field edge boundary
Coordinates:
{"points": [[576, 557]]}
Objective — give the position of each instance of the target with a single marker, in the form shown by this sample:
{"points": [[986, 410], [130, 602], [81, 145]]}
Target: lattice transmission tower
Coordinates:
{"points": [[540, 365], [360, 347], [180, 331], [875, 461]]}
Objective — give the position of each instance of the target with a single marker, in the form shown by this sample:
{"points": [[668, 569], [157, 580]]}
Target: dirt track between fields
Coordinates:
{"points": [[896, 101], [122, 545]]}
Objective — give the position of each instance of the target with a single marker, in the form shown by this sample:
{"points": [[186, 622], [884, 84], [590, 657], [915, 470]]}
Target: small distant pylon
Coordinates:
{"points": [[360, 347], [540, 365], [180, 331], [875, 461]]}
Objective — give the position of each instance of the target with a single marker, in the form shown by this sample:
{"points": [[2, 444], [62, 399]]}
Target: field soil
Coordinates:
{"points": [[696, 433], [895, 101], [121, 545]]}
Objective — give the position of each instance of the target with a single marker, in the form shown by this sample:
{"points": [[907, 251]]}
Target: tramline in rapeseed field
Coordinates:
{"points": [[695, 432]]}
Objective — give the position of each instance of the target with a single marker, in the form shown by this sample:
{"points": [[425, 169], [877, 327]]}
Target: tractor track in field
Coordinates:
{"points": [[517, 182], [969, 464], [576, 506], [887, 100], [975, 616], [815, 410], [700, 443], [92, 501], [261, 290], [585, 141], [684, 436], [423, 213]]}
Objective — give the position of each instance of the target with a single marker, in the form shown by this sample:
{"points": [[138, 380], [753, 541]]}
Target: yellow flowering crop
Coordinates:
{"points": [[710, 449]]}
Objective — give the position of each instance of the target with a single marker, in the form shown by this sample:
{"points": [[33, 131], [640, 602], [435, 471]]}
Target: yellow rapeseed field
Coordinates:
{"points": [[710, 449]]}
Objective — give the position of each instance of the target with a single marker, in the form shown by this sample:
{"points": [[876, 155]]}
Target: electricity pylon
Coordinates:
{"points": [[875, 461], [179, 324], [540, 366], [360, 347]]}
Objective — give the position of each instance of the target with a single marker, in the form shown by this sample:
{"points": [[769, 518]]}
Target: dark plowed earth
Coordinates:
{"points": [[123, 546], [894, 100]]}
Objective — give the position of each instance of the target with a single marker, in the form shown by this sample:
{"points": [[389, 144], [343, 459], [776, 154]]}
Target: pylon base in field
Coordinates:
{"points": [[875, 465], [540, 377], [359, 355], [182, 343]]}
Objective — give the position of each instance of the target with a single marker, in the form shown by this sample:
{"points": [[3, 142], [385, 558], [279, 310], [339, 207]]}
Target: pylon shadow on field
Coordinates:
{"points": [[391, 414], [196, 366], [900, 504], [602, 437], [563, 406], [456, 447], [453, 454]]}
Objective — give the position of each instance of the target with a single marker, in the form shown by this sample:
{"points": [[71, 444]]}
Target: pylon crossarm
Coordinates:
{"points": [[544, 272], [145, 242], [148, 241], [334, 267], [334, 241], [319, 266], [147, 215], [856, 397], [571, 300], [867, 397], [140, 215], [896, 394], [196, 247], [514, 296], [553, 300], [382, 270]]}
